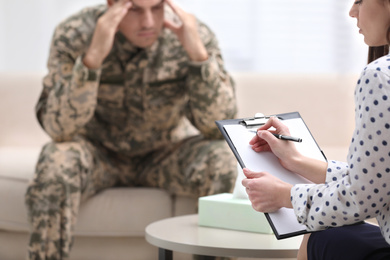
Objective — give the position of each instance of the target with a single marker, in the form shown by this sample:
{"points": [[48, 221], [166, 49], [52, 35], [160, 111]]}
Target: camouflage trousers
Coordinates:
{"points": [[70, 172]]}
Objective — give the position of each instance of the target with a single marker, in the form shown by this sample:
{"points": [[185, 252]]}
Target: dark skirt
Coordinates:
{"points": [[360, 241]]}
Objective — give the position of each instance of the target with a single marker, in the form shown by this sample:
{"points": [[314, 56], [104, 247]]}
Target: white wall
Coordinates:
{"points": [[276, 36], [299, 36]]}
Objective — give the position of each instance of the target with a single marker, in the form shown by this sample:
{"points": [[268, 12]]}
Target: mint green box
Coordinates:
{"points": [[224, 211]]}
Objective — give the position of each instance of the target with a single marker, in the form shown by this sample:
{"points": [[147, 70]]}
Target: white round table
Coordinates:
{"points": [[183, 234]]}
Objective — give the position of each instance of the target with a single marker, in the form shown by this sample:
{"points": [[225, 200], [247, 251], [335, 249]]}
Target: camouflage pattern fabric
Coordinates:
{"points": [[70, 172], [121, 125]]}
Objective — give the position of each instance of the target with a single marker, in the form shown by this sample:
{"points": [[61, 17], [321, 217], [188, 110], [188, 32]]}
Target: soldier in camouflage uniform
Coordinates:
{"points": [[121, 81]]}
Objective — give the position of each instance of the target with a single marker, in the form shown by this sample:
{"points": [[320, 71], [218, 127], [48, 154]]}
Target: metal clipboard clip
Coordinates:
{"points": [[258, 120]]}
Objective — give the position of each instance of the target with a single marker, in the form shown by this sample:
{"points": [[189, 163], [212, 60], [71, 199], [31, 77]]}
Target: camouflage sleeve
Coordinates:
{"points": [[211, 89], [69, 94]]}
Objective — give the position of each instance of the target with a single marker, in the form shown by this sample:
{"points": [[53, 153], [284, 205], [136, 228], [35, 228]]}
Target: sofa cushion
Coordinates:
{"points": [[16, 167], [113, 212], [19, 93]]}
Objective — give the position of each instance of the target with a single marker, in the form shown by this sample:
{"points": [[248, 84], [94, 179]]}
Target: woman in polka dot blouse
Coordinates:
{"points": [[344, 194]]}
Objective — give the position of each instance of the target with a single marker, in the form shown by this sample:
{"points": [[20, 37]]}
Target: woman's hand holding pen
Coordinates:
{"points": [[266, 141], [287, 153]]}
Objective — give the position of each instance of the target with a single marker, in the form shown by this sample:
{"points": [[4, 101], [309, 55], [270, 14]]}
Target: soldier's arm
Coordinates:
{"points": [[211, 89], [69, 94]]}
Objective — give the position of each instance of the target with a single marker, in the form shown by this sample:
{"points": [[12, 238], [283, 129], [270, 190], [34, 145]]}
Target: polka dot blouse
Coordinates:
{"points": [[359, 189]]}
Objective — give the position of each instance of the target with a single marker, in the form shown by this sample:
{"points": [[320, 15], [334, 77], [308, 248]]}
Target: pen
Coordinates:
{"points": [[284, 137]]}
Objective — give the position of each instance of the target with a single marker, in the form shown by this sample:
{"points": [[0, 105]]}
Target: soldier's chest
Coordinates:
{"points": [[139, 87]]}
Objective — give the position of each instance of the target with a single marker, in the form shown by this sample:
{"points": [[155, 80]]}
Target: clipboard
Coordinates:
{"points": [[284, 223]]}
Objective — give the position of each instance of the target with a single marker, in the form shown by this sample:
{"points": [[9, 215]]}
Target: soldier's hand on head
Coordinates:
{"points": [[187, 32], [104, 34]]}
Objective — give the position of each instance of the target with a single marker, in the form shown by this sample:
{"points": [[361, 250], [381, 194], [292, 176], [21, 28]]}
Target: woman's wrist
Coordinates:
{"points": [[294, 163], [309, 168], [286, 195]]}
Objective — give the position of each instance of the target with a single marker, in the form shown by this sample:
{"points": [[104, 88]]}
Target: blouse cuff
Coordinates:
{"points": [[301, 201]]}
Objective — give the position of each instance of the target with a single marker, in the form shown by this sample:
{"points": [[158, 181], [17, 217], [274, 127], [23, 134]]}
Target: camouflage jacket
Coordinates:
{"points": [[135, 102]]}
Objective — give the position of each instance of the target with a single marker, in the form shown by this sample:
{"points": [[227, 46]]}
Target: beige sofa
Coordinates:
{"points": [[111, 225]]}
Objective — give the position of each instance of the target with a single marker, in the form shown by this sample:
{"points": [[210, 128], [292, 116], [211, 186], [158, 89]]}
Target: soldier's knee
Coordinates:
{"points": [[58, 160], [222, 157], [57, 169], [63, 149], [222, 168]]}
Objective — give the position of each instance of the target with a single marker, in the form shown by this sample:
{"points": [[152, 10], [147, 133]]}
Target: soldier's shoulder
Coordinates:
{"points": [[203, 25], [205, 32], [83, 21], [73, 35]]}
